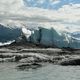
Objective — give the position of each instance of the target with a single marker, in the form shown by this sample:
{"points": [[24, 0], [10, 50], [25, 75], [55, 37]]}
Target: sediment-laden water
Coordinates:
{"points": [[48, 72]]}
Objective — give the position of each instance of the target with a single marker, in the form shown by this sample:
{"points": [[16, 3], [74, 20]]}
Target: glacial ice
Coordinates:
{"points": [[51, 36], [27, 33]]}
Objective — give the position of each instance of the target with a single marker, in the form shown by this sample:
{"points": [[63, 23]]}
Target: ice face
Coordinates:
{"points": [[48, 36], [52, 36]]}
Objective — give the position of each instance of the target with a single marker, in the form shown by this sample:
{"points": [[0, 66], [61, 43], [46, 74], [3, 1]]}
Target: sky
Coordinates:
{"points": [[50, 4], [20, 11]]}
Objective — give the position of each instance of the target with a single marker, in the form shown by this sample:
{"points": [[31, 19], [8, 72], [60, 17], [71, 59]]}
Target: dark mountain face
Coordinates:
{"points": [[7, 34]]}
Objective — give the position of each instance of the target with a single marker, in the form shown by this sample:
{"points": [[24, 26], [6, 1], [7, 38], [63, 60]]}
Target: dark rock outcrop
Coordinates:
{"points": [[72, 62], [28, 66]]}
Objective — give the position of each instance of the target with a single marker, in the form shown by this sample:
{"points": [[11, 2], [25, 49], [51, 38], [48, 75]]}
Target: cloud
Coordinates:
{"points": [[15, 10], [54, 1], [9, 5], [70, 12], [45, 4]]}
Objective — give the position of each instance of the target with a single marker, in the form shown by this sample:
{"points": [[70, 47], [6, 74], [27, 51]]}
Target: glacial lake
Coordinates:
{"points": [[8, 71]]}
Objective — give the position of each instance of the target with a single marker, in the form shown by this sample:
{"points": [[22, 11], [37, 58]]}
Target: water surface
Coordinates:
{"points": [[8, 71]]}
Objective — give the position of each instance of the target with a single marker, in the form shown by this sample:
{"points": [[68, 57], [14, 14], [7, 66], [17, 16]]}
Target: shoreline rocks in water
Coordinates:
{"points": [[29, 66], [71, 62], [27, 57]]}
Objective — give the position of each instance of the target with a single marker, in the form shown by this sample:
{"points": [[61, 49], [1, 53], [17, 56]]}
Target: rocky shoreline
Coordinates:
{"points": [[35, 57]]}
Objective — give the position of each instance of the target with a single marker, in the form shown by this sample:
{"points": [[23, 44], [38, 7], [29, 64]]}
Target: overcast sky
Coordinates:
{"points": [[40, 10]]}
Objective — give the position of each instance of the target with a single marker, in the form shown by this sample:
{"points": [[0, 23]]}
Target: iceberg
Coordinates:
{"points": [[50, 36]]}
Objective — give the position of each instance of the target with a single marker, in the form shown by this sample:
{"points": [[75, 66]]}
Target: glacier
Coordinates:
{"points": [[47, 35], [19, 11], [53, 36]]}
